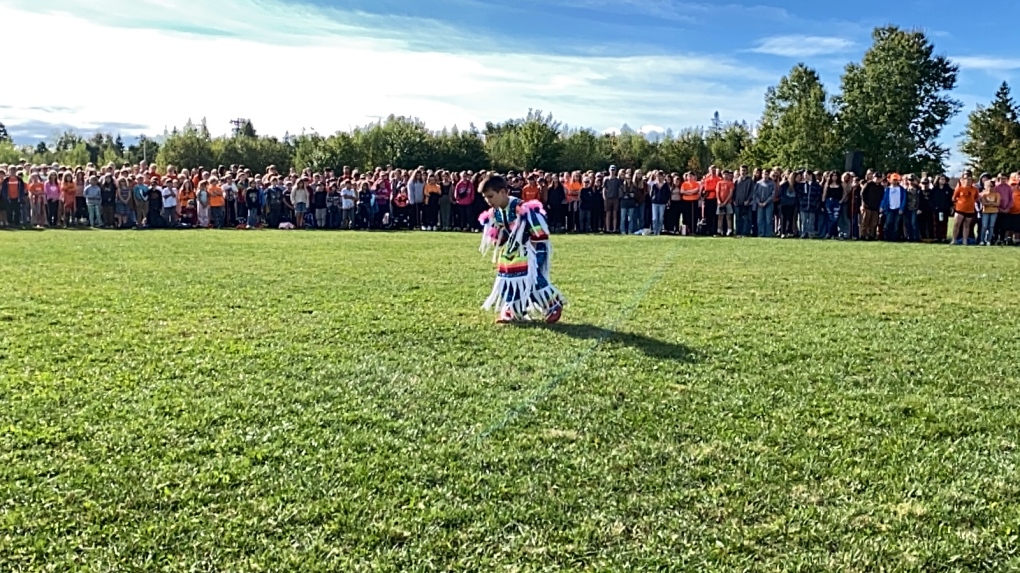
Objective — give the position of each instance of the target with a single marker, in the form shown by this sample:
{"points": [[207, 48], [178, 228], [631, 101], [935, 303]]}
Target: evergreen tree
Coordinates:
{"points": [[797, 128], [992, 138]]}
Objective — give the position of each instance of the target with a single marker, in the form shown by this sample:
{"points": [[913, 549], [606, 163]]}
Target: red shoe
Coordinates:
{"points": [[555, 313]]}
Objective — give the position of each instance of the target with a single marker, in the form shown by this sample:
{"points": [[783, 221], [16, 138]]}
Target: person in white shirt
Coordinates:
{"points": [[230, 199], [347, 201], [893, 203], [169, 192]]}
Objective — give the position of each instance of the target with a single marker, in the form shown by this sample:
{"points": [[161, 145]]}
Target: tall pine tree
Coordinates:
{"points": [[992, 139]]}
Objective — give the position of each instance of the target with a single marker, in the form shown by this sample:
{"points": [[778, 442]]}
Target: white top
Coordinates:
{"points": [[169, 197], [347, 197]]}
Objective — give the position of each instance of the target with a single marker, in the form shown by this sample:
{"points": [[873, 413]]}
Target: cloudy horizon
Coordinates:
{"points": [[332, 65]]}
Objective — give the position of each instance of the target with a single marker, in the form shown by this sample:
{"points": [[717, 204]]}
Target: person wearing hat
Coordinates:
{"points": [[894, 201]]}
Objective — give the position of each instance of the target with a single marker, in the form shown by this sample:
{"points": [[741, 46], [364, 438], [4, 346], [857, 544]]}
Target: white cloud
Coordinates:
{"points": [[162, 62], [987, 63], [802, 46]]}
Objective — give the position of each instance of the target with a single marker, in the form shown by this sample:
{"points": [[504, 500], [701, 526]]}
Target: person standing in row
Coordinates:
{"points": [[612, 188], [743, 199]]}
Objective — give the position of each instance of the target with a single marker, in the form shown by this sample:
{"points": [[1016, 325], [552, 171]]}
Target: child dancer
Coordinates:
{"points": [[518, 234]]}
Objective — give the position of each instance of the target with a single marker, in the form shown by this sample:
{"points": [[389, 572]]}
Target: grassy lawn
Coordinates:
{"points": [[272, 401]]}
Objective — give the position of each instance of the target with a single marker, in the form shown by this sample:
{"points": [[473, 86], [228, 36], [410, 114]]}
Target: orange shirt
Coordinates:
{"points": [[216, 196], [530, 193], [573, 191], [965, 198], [724, 190], [184, 197], [35, 189], [12, 187], [710, 184], [689, 186], [68, 190], [1015, 209], [432, 189]]}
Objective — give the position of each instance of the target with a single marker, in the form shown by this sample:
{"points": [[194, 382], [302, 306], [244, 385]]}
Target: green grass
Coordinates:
{"points": [[272, 401]]}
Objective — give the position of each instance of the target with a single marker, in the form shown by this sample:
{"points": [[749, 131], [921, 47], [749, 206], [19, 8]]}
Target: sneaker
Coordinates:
{"points": [[506, 317], [555, 312]]}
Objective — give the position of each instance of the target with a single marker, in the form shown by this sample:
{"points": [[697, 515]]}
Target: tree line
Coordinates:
{"points": [[892, 107]]}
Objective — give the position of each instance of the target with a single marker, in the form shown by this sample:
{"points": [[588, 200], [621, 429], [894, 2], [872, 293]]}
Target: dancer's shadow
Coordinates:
{"points": [[649, 346]]}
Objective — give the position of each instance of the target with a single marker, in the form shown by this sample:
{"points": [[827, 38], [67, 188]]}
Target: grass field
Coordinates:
{"points": [[271, 401]]}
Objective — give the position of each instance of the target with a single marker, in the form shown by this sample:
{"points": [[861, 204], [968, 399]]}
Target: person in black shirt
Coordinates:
{"points": [[108, 199], [445, 201], [332, 207], [254, 206], [365, 197], [871, 196], [319, 204], [154, 209], [941, 196], [556, 197]]}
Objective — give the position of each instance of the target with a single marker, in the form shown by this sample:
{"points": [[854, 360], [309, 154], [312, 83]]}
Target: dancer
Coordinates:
{"points": [[518, 234]]}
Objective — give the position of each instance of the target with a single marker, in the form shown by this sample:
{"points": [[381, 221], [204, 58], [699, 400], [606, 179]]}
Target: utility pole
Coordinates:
{"points": [[239, 124]]}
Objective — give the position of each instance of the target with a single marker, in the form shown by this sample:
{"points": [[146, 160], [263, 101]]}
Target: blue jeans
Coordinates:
{"points": [[766, 220], [585, 221], [892, 226], [217, 214], [95, 214], [833, 209], [658, 215], [988, 226], [745, 216], [807, 224], [910, 222], [628, 221], [253, 217]]}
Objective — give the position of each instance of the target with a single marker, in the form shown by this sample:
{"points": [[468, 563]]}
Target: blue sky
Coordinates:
{"points": [[332, 64]]}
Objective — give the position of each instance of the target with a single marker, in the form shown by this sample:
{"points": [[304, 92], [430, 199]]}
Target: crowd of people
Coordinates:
{"points": [[742, 203]]}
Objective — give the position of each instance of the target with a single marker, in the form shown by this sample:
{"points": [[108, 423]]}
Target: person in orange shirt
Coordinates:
{"points": [[37, 200], [690, 193], [573, 188], [531, 192], [964, 203], [217, 203], [187, 207], [1011, 219], [724, 212], [709, 185], [68, 195]]}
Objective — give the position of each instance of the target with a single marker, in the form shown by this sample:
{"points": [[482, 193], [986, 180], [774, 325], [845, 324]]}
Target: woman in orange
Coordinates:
{"points": [[965, 204], [690, 193], [573, 188], [69, 195], [187, 207], [37, 201]]}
